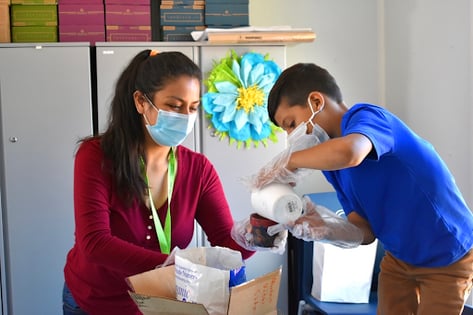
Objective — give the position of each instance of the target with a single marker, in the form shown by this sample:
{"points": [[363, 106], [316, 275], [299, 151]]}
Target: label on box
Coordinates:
{"points": [[183, 2], [33, 2], [34, 34], [128, 33], [229, 14], [82, 33], [33, 15], [82, 2], [81, 14], [179, 33], [127, 14], [182, 15], [134, 2]]}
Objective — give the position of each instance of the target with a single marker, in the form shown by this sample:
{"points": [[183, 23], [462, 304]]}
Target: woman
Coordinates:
{"points": [[137, 191]]}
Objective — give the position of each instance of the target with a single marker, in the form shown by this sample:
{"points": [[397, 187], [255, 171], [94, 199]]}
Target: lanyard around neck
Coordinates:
{"points": [[164, 235]]}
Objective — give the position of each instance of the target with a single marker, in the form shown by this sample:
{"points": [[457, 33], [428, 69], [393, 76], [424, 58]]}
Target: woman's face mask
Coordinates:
{"points": [[170, 129]]}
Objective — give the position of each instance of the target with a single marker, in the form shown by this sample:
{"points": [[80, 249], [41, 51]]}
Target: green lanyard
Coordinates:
{"points": [[164, 235]]}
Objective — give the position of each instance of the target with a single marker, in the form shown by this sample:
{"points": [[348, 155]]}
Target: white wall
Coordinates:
{"points": [[347, 44], [415, 57], [412, 56]]}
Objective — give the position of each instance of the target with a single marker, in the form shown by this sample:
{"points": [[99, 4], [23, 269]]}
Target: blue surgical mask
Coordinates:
{"points": [[170, 129]]}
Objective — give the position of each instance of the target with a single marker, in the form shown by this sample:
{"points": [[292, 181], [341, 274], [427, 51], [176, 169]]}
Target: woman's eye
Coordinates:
{"points": [[174, 107]]}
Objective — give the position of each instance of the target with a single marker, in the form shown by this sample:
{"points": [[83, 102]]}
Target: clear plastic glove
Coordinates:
{"points": [[318, 223], [243, 236], [274, 171]]}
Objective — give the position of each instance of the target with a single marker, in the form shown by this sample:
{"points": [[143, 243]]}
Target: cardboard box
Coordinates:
{"points": [[4, 14], [80, 2], [183, 2], [81, 14], [128, 33], [137, 2], [5, 36], [180, 33], [7, 2], [33, 2], [118, 14], [226, 14], [154, 292], [33, 15], [182, 15], [34, 34], [82, 33]]}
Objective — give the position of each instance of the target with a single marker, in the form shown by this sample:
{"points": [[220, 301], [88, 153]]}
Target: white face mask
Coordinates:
{"points": [[298, 139]]}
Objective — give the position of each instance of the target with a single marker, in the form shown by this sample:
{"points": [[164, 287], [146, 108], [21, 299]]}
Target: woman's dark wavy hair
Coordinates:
{"points": [[123, 141], [297, 82]]}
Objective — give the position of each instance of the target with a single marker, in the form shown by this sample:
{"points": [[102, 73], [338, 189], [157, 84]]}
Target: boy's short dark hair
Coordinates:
{"points": [[296, 82]]}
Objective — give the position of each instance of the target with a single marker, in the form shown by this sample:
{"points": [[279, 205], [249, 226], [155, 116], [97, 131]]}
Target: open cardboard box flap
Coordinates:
{"points": [[154, 292]]}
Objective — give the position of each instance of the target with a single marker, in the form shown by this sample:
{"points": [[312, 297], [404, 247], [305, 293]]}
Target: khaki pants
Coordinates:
{"points": [[404, 289]]}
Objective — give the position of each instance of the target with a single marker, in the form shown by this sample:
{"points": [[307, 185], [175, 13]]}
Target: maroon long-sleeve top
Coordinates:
{"points": [[114, 240]]}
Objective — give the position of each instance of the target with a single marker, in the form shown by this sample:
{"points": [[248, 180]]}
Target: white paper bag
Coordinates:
{"points": [[343, 275], [204, 275]]}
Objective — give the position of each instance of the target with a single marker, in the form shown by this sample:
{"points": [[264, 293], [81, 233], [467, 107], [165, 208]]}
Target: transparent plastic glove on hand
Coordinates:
{"points": [[242, 235], [318, 223], [274, 171]]}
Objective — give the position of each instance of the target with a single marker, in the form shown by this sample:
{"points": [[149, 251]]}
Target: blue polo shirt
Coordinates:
{"points": [[405, 191]]}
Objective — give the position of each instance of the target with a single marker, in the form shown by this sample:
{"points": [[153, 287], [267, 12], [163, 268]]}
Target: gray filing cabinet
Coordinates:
{"points": [[45, 107]]}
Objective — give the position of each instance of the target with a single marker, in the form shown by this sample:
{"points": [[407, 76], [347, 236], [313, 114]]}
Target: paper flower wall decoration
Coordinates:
{"points": [[236, 100]]}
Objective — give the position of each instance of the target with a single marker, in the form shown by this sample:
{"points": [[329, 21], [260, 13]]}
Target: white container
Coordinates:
{"points": [[277, 202]]}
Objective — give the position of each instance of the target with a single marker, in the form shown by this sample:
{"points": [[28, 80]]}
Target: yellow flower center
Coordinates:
{"points": [[250, 97]]}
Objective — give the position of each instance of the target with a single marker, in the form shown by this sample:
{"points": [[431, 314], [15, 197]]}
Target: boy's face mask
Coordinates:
{"points": [[300, 140]]}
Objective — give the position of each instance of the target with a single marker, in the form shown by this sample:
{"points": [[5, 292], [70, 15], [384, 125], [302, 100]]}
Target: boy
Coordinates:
{"points": [[392, 185]]}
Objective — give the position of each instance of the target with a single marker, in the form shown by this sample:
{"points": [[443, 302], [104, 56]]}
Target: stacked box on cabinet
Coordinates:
{"points": [[81, 21], [181, 17], [128, 20], [33, 21], [226, 13], [5, 21]]}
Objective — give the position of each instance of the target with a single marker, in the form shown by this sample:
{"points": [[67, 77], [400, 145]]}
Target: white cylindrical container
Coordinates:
{"points": [[277, 202]]}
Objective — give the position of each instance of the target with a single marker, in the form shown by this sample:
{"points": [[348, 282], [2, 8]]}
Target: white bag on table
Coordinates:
{"points": [[205, 274], [343, 275]]}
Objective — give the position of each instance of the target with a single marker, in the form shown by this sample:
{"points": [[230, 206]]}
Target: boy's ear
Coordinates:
{"points": [[316, 99]]}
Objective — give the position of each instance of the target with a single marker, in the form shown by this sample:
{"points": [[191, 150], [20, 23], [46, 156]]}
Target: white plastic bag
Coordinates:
{"points": [[204, 275], [343, 274]]}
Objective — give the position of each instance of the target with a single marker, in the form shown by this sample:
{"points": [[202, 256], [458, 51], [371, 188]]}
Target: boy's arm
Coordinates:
{"points": [[362, 224], [334, 154]]}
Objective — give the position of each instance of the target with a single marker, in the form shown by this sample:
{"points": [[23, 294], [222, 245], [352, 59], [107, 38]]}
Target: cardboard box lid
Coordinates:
{"points": [[154, 292]]}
